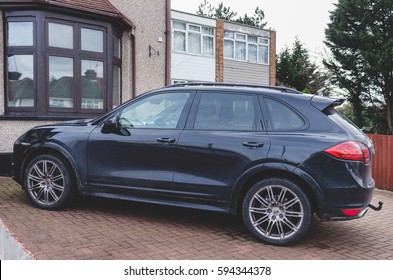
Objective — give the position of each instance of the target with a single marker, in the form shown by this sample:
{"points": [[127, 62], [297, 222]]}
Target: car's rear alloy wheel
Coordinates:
{"points": [[277, 211], [48, 182]]}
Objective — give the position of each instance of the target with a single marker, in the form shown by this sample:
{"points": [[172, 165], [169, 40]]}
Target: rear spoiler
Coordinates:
{"points": [[321, 103]]}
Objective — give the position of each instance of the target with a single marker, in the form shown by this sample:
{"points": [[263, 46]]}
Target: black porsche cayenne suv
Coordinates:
{"points": [[271, 154]]}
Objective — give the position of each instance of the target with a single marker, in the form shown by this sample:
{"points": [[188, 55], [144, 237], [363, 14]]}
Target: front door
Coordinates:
{"points": [[138, 157]]}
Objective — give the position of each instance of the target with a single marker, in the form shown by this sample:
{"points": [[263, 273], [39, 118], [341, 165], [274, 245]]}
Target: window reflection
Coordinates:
{"points": [[92, 84], [225, 112], [116, 47], [116, 85], [20, 81], [20, 34], [60, 35], [92, 40], [61, 81]]}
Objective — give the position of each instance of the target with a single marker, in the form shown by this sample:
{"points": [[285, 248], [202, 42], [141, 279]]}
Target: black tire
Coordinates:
{"points": [[48, 182], [277, 211]]}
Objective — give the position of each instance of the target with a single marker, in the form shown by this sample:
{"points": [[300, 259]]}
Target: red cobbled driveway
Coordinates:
{"points": [[95, 228]]}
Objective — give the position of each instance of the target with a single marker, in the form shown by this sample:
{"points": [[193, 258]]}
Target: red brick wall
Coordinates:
{"points": [[272, 70], [219, 50]]}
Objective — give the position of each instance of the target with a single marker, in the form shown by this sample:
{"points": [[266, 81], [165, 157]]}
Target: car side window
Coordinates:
{"points": [[155, 111], [282, 117], [225, 111]]}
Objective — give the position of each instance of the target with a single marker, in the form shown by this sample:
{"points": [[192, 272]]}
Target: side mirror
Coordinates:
{"points": [[110, 125]]}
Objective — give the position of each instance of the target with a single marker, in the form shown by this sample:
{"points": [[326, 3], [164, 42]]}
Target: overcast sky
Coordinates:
{"points": [[306, 19]]}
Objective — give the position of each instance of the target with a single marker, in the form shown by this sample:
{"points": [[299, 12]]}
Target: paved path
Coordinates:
{"points": [[107, 229]]}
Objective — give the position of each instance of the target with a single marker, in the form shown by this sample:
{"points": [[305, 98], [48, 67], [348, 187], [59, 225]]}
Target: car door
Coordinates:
{"points": [[223, 139], [136, 157]]}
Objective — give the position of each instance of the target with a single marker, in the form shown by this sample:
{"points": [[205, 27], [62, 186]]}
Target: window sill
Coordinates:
{"points": [[43, 118]]}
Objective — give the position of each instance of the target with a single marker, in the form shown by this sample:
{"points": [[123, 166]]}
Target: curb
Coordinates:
{"points": [[10, 247]]}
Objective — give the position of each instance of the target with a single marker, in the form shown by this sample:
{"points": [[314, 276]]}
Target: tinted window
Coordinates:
{"points": [[20, 34], [220, 111], [343, 121], [61, 35], [20, 81], [156, 111], [283, 117]]}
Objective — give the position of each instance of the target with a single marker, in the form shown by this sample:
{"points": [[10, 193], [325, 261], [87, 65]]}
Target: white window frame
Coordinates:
{"points": [[262, 42], [180, 31], [201, 33]]}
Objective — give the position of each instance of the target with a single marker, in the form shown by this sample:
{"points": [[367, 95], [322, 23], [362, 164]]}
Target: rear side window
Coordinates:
{"points": [[221, 111], [342, 121], [282, 117]]}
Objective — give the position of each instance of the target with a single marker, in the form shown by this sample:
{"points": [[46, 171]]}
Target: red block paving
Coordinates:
{"points": [[107, 229]]}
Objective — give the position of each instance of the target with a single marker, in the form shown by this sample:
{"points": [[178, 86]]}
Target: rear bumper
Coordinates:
{"points": [[340, 216]]}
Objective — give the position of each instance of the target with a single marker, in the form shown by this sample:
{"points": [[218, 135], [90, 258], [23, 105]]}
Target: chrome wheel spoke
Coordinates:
{"points": [[57, 187], [270, 194], [46, 196], [291, 202], [269, 228], [35, 178], [261, 200], [261, 220], [57, 178], [281, 197], [52, 170], [36, 186], [258, 210], [280, 230], [38, 171], [53, 194], [40, 192], [289, 224], [294, 214]]}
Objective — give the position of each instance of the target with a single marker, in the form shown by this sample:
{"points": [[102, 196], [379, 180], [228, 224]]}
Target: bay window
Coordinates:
{"points": [[60, 65]]}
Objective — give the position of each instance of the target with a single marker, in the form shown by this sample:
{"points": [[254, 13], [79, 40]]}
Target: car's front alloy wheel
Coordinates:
{"points": [[48, 182], [277, 211]]}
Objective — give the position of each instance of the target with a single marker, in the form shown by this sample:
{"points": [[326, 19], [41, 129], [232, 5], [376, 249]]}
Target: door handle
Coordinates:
{"points": [[252, 144], [166, 140]]}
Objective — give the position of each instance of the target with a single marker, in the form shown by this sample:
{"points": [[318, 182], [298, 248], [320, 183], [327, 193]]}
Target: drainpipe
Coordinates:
{"points": [[133, 66], [168, 42]]}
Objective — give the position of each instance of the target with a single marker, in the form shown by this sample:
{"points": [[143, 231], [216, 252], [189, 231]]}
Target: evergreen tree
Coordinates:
{"points": [[360, 37], [225, 13], [221, 12], [295, 69]]}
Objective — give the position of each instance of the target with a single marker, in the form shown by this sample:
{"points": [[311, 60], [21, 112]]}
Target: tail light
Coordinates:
{"points": [[350, 151], [351, 212]]}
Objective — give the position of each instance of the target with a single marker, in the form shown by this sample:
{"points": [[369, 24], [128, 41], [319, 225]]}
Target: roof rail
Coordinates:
{"points": [[279, 88]]}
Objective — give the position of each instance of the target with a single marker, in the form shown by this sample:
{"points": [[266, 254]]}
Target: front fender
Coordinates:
{"points": [[51, 147]]}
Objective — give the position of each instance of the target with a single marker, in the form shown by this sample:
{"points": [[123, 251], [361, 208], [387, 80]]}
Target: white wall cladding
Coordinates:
{"points": [[190, 67], [246, 29], [243, 72], [193, 68], [182, 16]]}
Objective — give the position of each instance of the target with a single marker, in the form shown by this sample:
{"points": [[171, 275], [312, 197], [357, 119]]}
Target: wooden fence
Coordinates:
{"points": [[383, 161]]}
